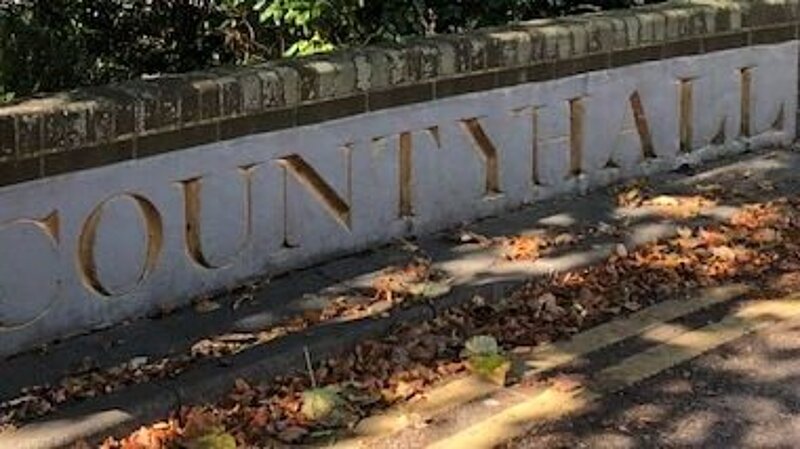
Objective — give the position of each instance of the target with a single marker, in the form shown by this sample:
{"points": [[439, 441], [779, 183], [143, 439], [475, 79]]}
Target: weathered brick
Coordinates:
{"points": [[399, 96], [289, 92], [250, 89], [619, 32], [208, 93], [17, 171], [768, 12], [647, 27], [635, 55], [363, 71], [428, 60], [309, 79], [633, 31], [479, 57], [270, 120], [512, 77], [599, 35], [8, 137], [87, 157], [446, 58], [29, 135], [583, 64], [465, 84], [167, 111], [193, 135], [771, 35], [114, 105], [65, 128], [331, 109], [461, 51], [101, 122], [726, 19], [678, 23], [226, 103], [271, 87], [232, 102], [397, 65], [344, 82], [191, 109], [725, 41], [145, 99], [684, 47]]}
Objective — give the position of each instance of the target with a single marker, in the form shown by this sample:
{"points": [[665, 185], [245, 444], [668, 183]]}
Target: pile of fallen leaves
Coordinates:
{"points": [[417, 279], [414, 280], [638, 195], [533, 246], [760, 244]]}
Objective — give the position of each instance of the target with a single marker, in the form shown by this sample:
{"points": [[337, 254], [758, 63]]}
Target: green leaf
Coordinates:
{"points": [[494, 367], [320, 403], [482, 345]]}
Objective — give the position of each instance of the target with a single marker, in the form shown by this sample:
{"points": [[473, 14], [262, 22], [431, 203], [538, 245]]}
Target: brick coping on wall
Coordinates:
{"points": [[99, 126]]}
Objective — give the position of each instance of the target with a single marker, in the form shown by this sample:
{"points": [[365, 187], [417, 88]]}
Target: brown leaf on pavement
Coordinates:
{"points": [[566, 383], [522, 248]]}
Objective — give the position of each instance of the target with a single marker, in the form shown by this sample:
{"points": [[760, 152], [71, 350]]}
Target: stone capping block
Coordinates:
{"points": [[91, 127]]}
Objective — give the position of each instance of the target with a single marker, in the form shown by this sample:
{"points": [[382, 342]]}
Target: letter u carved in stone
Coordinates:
{"points": [[193, 211]]}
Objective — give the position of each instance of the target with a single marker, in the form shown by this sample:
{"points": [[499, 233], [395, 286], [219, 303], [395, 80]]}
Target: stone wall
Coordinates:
{"points": [[122, 200]]}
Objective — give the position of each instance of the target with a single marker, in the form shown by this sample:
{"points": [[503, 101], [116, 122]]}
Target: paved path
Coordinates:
{"points": [[745, 394], [719, 370]]}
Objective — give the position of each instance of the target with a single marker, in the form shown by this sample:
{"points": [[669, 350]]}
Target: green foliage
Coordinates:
{"points": [[48, 45], [481, 345], [320, 404], [487, 365], [485, 359]]}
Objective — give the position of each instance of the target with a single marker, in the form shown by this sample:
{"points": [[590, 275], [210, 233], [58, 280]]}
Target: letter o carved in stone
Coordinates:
{"points": [[151, 220], [30, 282]]}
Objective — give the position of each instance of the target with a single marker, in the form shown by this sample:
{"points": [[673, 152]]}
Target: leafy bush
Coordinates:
{"points": [[50, 45]]}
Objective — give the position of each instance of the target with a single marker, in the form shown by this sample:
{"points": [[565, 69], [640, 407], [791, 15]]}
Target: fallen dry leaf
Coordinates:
{"points": [[522, 248], [415, 356], [566, 383]]}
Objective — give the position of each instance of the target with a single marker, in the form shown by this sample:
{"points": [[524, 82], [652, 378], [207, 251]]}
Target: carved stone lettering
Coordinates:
{"points": [[193, 208], [405, 168], [150, 225], [29, 280], [488, 153], [269, 202], [710, 110], [556, 141], [298, 212]]}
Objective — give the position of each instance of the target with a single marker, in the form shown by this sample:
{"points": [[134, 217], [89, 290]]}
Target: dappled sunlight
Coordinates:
{"points": [[694, 427], [647, 323], [577, 278], [548, 405], [63, 429], [563, 220], [773, 433], [749, 314]]}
